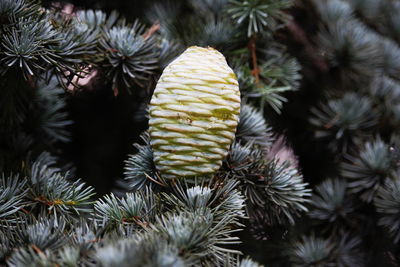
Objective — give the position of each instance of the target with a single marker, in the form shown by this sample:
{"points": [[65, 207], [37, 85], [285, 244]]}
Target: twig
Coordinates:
{"points": [[252, 48], [154, 180], [155, 27], [329, 124], [38, 250]]}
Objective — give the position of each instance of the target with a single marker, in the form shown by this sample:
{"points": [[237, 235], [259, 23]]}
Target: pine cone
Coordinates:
{"points": [[194, 112]]}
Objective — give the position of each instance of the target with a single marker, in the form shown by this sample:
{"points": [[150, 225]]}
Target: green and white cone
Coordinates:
{"points": [[194, 112]]}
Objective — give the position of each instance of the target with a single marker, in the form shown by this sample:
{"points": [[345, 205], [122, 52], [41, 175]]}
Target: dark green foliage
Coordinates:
{"points": [[388, 206], [352, 49], [349, 252], [382, 15], [391, 56], [315, 251], [350, 70], [187, 233], [140, 168], [49, 112], [285, 193], [281, 68], [252, 127], [134, 208], [342, 119], [257, 15], [44, 234], [12, 196], [192, 233], [131, 57], [275, 191], [367, 170], [52, 192], [36, 42], [139, 251], [219, 33], [278, 73], [226, 200], [44, 189], [332, 205], [311, 251], [11, 10], [206, 6], [338, 59], [386, 94], [28, 257], [32, 118], [198, 221]]}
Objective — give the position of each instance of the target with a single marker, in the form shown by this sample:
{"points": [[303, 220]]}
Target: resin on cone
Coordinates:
{"points": [[194, 112]]}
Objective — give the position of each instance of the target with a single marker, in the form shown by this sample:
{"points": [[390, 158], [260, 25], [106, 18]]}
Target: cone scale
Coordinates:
{"points": [[194, 113]]}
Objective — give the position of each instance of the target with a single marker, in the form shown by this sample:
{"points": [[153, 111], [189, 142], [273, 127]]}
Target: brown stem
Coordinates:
{"points": [[154, 180], [252, 48], [37, 250], [332, 122], [155, 27], [25, 211]]}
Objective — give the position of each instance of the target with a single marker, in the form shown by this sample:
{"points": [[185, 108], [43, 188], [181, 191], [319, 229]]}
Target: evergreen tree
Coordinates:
{"points": [[319, 75]]}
